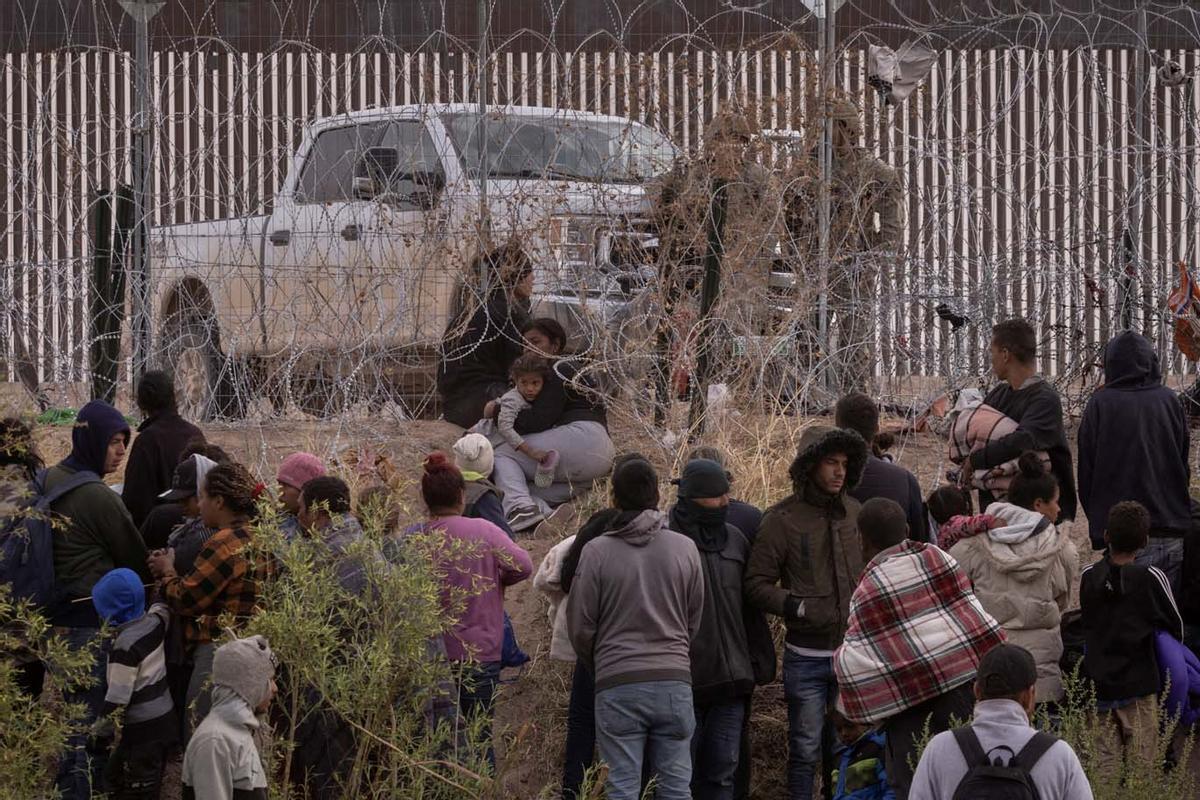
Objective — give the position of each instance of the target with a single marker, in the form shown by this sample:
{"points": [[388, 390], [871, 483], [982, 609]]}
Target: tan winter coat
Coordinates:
{"points": [[1023, 573], [548, 581]]}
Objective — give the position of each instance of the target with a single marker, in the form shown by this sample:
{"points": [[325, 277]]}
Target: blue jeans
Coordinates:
{"points": [[658, 713], [476, 698], [716, 746], [810, 688], [1166, 553], [81, 766]]}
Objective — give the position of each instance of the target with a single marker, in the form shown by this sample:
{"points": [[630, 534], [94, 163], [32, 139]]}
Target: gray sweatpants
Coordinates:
{"points": [[585, 453]]}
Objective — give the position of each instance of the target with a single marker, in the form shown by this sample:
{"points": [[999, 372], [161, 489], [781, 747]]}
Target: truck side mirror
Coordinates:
{"points": [[374, 172]]}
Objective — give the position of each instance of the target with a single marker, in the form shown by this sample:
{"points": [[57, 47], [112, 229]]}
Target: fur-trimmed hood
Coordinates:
{"points": [[819, 441]]}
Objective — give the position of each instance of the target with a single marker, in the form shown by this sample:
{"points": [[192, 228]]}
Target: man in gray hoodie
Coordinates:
{"points": [[636, 602], [1000, 734]]}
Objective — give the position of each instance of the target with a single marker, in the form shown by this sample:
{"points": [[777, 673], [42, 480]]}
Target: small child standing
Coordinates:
{"points": [[528, 375], [137, 684], [222, 759], [860, 774], [1123, 604], [474, 457]]}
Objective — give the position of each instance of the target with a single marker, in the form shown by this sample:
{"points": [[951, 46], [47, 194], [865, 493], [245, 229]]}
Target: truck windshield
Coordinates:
{"points": [[560, 147]]}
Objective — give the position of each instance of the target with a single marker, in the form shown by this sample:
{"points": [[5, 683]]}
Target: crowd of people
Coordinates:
{"points": [[900, 613]]}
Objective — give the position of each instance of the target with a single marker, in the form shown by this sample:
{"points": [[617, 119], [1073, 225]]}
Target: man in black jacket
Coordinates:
{"points": [[1133, 445], [723, 669], [158, 447], [1027, 398], [858, 413]]}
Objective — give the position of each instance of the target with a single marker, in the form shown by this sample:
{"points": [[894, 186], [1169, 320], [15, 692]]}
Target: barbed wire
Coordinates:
{"points": [[1036, 145]]}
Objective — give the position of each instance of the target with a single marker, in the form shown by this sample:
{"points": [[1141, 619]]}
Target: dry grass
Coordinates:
{"points": [[532, 706]]}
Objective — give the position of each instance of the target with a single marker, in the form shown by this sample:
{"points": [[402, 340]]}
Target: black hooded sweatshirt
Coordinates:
{"points": [[1037, 410], [1133, 443], [474, 360], [1122, 607]]}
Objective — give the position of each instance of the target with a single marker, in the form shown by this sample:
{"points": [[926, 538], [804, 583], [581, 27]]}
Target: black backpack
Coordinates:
{"points": [[990, 780]]}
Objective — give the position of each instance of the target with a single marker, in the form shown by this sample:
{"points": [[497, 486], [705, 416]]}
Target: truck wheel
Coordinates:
{"points": [[207, 382]]}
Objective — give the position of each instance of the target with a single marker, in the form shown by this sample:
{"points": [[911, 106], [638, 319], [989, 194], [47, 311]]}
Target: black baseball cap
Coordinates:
{"points": [[183, 482], [1005, 670]]}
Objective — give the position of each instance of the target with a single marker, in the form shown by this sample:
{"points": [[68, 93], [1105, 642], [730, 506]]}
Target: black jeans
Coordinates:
{"points": [[905, 728], [581, 732], [135, 770], [741, 781], [476, 698]]}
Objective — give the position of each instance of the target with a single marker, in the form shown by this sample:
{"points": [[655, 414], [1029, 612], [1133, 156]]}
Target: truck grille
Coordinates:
{"points": [[610, 257]]}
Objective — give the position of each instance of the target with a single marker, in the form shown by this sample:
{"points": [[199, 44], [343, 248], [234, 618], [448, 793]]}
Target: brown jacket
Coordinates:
{"points": [[811, 553]]}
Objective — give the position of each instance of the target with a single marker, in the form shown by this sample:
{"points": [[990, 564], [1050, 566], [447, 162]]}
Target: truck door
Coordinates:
{"points": [[405, 277], [314, 246]]}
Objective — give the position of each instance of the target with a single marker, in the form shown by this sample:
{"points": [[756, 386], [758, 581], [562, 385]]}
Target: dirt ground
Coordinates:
{"points": [[531, 711]]}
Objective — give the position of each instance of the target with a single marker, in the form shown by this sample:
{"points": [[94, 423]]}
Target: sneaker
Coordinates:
{"points": [[546, 469], [524, 518]]}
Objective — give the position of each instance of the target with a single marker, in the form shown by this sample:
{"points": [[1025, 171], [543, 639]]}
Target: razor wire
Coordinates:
{"points": [[1038, 148]]}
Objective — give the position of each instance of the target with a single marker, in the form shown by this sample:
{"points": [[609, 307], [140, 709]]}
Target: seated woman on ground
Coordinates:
{"points": [[568, 416]]}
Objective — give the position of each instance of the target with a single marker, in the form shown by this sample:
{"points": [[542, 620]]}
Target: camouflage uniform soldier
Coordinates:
{"points": [[862, 186], [749, 236]]}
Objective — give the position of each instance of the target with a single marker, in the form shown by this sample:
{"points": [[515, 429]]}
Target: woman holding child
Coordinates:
{"points": [[567, 416], [1022, 567]]}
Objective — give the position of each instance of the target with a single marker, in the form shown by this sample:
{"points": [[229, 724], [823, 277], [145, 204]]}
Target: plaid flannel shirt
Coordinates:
{"points": [[221, 583], [916, 631]]}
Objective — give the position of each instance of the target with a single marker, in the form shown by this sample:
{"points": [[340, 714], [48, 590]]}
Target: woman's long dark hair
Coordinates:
{"points": [[17, 448]]}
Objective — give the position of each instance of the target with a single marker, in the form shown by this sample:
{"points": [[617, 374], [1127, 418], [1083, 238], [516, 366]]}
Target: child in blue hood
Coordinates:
{"points": [[860, 774], [136, 686]]}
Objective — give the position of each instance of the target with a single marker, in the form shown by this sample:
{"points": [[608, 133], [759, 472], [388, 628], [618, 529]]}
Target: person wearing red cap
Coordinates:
{"points": [[295, 471]]}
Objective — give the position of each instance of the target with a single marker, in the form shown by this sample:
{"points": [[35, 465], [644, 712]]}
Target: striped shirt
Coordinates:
{"points": [[222, 583], [137, 676]]}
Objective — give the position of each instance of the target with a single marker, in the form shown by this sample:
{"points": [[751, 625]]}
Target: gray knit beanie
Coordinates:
{"points": [[246, 666]]}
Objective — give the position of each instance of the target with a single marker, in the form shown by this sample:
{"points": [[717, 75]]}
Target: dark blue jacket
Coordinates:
{"points": [[745, 517], [1133, 443], [893, 482], [483, 502]]}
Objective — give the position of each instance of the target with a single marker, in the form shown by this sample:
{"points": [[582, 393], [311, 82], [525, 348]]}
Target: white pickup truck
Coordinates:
{"points": [[347, 285]]}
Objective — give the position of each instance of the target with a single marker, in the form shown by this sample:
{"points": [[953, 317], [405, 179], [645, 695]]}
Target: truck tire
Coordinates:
{"points": [[207, 383]]}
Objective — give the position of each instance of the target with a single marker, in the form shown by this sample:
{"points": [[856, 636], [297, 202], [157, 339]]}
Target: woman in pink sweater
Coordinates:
{"points": [[478, 561]]}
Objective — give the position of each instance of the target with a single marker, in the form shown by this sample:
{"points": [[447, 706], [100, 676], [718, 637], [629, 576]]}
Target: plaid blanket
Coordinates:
{"points": [[916, 631], [973, 429]]}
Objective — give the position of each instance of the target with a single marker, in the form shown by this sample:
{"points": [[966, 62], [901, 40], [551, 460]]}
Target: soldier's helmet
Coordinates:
{"points": [[731, 124], [842, 109]]}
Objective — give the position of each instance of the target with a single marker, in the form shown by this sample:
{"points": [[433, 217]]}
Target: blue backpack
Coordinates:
{"points": [[27, 541]]}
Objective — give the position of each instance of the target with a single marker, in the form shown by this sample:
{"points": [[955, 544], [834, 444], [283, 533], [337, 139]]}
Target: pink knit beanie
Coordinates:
{"points": [[298, 469]]}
